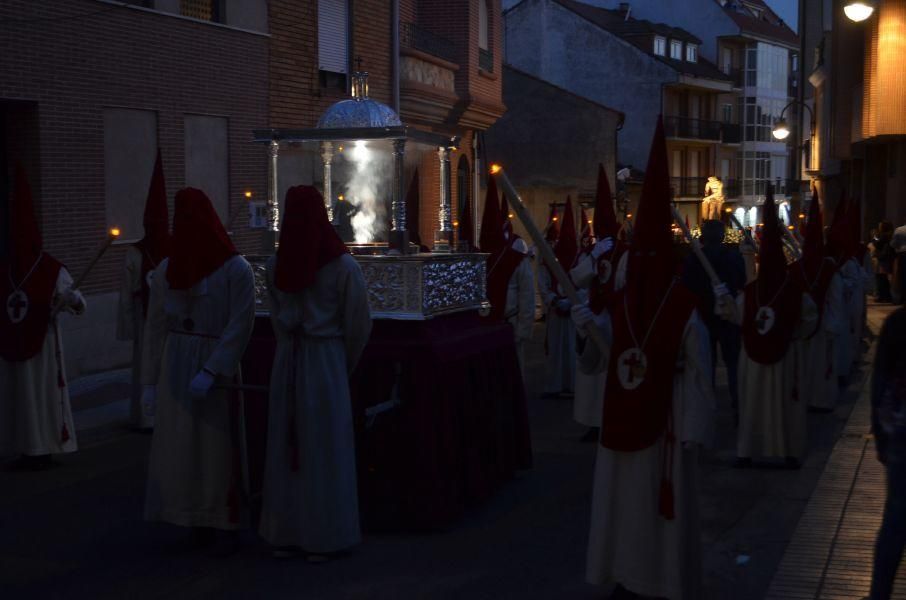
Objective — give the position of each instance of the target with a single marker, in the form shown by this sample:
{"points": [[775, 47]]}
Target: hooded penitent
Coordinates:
{"points": [[466, 233], [155, 246], [490, 237], [839, 233], [307, 240], [586, 240], [506, 223], [567, 246], [503, 259], [649, 317], [200, 243], [605, 225], [814, 271], [772, 301], [27, 280]]}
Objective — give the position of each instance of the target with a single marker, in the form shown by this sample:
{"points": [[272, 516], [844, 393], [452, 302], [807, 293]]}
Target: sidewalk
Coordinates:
{"points": [[830, 554]]}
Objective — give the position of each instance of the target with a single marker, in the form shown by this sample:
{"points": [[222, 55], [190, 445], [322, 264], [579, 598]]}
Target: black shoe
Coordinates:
{"points": [[591, 435], [743, 462]]}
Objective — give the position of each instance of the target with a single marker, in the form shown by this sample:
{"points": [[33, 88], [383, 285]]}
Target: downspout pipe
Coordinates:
{"points": [[395, 59]]}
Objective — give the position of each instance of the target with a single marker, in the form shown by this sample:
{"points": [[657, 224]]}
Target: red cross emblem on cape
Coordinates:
{"points": [[24, 322]]}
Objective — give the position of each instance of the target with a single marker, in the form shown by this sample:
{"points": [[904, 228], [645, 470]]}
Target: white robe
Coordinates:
{"points": [[33, 407], [772, 423], [560, 341], [321, 333], [193, 476], [130, 325], [848, 345], [629, 542], [816, 376], [520, 307]]}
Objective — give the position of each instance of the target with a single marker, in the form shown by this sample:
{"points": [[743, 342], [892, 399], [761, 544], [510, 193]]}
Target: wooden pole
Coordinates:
{"points": [[112, 236]]}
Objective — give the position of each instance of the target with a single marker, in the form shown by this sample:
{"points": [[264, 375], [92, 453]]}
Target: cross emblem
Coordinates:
{"points": [[764, 319], [17, 306], [631, 367]]}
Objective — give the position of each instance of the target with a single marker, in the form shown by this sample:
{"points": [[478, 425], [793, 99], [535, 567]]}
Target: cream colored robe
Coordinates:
{"points": [[33, 407], [321, 333], [520, 306], [848, 349], [561, 340], [588, 403], [130, 325], [193, 474], [772, 423], [629, 542], [817, 378]]}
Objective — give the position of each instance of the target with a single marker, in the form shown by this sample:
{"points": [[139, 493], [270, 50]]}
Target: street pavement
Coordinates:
{"points": [[76, 530]]}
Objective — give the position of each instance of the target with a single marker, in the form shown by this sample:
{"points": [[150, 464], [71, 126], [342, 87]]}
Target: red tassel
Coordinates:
{"points": [[665, 500], [64, 433]]}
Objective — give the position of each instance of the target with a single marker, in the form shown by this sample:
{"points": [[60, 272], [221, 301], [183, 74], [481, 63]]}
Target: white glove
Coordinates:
{"points": [[201, 384], [720, 290], [582, 316], [149, 400], [602, 247], [563, 305]]}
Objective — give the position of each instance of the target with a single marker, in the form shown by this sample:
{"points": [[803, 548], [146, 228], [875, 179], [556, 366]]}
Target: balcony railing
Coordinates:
{"points": [[413, 36], [485, 60], [730, 133], [685, 187], [698, 129]]}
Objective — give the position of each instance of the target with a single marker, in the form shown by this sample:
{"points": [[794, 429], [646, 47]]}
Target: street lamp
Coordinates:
{"points": [[859, 10], [782, 130]]}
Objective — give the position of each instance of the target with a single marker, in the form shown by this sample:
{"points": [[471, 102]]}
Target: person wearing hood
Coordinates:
{"points": [[730, 267], [598, 274], [817, 274], [141, 259], [658, 408], [510, 281], [772, 311], [560, 341], [200, 318], [319, 311], [35, 413]]}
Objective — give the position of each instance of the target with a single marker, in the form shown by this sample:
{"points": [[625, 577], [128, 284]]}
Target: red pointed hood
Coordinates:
{"points": [[466, 227], [652, 261], [772, 269], [307, 240], [157, 241], [200, 243], [605, 217], [838, 243], [585, 233], [552, 232], [813, 245], [567, 245], [491, 237], [412, 210], [505, 217], [25, 242]]}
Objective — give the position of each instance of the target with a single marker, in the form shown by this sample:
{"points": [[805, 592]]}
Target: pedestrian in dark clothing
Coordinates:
{"points": [[888, 423], [898, 243], [730, 267], [883, 253]]}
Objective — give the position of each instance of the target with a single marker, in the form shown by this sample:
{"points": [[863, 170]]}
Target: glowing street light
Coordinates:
{"points": [[859, 10], [781, 130]]}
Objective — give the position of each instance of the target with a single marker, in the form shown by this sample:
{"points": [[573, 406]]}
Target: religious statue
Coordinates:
{"points": [[713, 200]]}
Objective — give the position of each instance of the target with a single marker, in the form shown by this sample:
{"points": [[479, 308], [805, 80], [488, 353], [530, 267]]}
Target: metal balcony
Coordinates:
{"points": [[414, 37], [696, 129]]}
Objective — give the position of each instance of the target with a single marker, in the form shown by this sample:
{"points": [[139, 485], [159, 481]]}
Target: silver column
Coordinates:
{"points": [[444, 237], [273, 204], [327, 158], [399, 237]]}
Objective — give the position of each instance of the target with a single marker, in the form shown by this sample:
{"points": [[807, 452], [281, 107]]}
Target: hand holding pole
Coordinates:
{"points": [[112, 236]]}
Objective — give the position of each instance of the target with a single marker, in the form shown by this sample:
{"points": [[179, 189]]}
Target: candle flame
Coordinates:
{"points": [[248, 193], [115, 232], [495, 168]]}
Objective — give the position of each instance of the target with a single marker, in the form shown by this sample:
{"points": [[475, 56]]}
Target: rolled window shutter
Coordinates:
{"points": [[332, 36]]}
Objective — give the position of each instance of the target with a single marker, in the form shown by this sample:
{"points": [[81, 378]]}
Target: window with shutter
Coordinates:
{"points": [[206, 10], [333, 36], [483, 24]]}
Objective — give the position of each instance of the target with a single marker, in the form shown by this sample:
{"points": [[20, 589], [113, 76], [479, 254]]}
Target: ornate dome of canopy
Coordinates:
{"points": [[360, 111]]}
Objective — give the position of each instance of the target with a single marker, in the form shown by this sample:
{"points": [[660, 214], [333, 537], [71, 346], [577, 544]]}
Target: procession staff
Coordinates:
{"points": [[35, 413], [772, 311], [200, 318], [597, 273], [817, 274], [658, 407], [560, 341], [319, 311], [141, 259]]}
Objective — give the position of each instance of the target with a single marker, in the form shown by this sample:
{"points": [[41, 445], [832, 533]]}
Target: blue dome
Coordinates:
{"points": [[358, 113]]}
